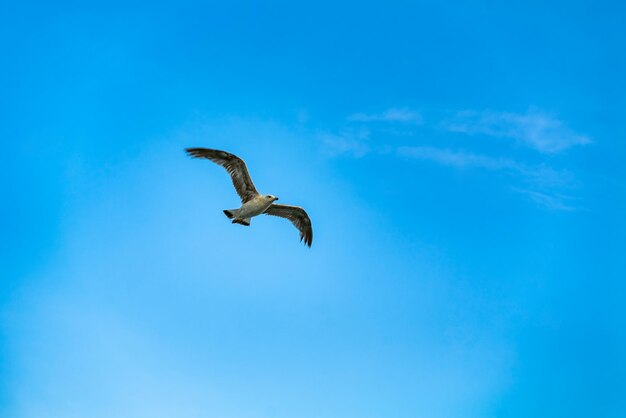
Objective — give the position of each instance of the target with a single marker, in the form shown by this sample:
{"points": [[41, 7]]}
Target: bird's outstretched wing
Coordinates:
{"points": [[235, 167], [298, 218]]}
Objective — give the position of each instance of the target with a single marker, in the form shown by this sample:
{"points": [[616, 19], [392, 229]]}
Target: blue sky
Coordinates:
{"points": [[462, 164]]}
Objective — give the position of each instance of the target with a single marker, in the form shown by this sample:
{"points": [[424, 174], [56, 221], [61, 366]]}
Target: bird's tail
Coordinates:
{"points": [[242, 221], [234, 215]]}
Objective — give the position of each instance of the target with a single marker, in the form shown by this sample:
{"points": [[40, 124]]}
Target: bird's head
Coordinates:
{"points": [[271, 198]]}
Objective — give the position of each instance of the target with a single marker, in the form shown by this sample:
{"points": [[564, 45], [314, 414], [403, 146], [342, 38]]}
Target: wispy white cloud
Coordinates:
{"points": [[456, 158], [537, 180], [534, 129], [346, 143], [551, 201], [542, 181], [401, 115]]}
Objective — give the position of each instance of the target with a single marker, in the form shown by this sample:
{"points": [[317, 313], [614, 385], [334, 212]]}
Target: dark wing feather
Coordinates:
{"points": [[235, 167], [298, 218]]}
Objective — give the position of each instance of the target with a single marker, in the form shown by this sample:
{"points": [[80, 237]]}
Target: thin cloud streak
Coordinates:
{"points": [[456, 158], [540, 177], [541, 183], [550, 201], [536, 174], [346, 143], [400, 115], [539, 131]]}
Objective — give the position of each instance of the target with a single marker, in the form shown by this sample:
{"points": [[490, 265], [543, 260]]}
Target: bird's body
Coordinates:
{"points": [[256, 206], [252, 202], [253, 207]]}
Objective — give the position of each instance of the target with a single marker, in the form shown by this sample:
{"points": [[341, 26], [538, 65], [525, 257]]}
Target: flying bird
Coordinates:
{"points": [[252, 202]]}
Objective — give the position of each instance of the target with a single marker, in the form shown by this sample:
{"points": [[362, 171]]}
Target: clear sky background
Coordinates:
{"points": [[462, 163]]}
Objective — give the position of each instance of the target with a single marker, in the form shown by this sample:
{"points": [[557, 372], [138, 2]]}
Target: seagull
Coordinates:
{"points": [[252, 202]]}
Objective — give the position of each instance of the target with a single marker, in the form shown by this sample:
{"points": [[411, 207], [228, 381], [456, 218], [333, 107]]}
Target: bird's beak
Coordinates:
{"points": [[275, 198]]}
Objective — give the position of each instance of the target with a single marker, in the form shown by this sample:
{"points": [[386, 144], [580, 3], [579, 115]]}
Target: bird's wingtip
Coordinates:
{"points": [[192, 152], [307, 240]]}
